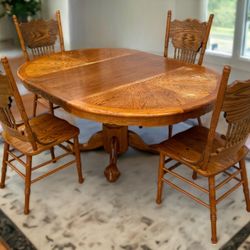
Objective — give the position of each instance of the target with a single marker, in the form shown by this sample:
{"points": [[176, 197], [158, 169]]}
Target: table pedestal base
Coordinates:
{"points": [[115, 140]]}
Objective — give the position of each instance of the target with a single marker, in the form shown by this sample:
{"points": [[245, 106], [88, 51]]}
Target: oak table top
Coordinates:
{"points": [[121, 87]]}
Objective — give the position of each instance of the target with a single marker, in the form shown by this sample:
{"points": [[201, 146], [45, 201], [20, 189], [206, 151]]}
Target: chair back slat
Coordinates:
{"points": [[234, 102], [237, 113], [39, 33], [40, 37], [8, 93], [188, 38]]}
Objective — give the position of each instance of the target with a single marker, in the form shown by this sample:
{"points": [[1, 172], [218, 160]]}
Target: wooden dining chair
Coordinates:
{"points": [[210, 154], [24, 140], [189, 41], [38, 38]]}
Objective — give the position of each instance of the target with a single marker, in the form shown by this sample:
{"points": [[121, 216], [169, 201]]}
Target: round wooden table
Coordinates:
{"points": [[121, 87]]}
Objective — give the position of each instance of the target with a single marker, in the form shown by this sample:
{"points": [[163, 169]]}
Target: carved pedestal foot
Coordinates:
{"points": [[95, 141], [111, 172], [135, 141]]}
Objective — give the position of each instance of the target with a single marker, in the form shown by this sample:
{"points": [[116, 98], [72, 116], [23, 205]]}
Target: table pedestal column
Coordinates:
{"points": [[115, 140]]}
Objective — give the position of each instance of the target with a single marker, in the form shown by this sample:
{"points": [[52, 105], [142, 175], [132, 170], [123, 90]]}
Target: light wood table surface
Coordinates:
{"points": [[121, 87]]}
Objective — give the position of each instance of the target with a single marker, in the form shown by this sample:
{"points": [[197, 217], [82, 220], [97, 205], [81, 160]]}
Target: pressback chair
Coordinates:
{"points": [[209, 153], [32, 137], [38, 38], [189, 41]]}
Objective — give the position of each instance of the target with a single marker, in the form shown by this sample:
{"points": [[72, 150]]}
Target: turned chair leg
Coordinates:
{"points": [[194, 176], [35, 104], [245, 183], [27, 183], [212, 202], [199, 121], [4, 164], [160, 181], [78, 159], [52, 152], [51, 108], [170, 131]]}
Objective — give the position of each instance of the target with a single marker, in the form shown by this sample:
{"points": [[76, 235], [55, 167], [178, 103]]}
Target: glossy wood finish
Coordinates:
{"points": [[208, 153], [38, 38], [121, 87], [31, 137]]}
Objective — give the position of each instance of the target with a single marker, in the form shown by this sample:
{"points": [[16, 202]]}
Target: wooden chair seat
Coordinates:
{"points": [[188, 147], [49, 130]]}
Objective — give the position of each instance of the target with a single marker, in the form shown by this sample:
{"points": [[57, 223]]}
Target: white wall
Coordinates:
{"points": [[138, 24], [49, 7], [188, 8], [7, 28]]}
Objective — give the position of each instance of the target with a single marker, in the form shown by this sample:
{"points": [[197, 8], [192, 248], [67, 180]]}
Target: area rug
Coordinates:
{"points": [[98, 215], [10, 235], [240, 241]]}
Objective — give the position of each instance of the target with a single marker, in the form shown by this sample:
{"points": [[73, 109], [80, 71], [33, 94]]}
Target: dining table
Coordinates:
{"points": [[119, 88]]}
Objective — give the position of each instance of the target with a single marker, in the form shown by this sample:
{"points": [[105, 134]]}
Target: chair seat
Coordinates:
{"points": [[189, 146], [49, 130]]}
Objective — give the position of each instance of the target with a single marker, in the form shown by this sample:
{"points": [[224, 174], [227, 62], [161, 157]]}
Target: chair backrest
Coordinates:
{"points": [[234, 101], [38, 37], [8, 93], [189, 38]]}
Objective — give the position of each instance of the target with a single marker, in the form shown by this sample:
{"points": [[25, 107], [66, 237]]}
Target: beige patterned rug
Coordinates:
{"points": [[102, 216]]}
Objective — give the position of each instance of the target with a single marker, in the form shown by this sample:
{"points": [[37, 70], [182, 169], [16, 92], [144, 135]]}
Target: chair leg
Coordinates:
{"points": [[194, 176], [212, 202], [160, 181], [51, 108], [170, 131], [4, 164], [245, 183], [52, 152], [27, 183], [199, 121], [78, 160], [35, 105]]}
